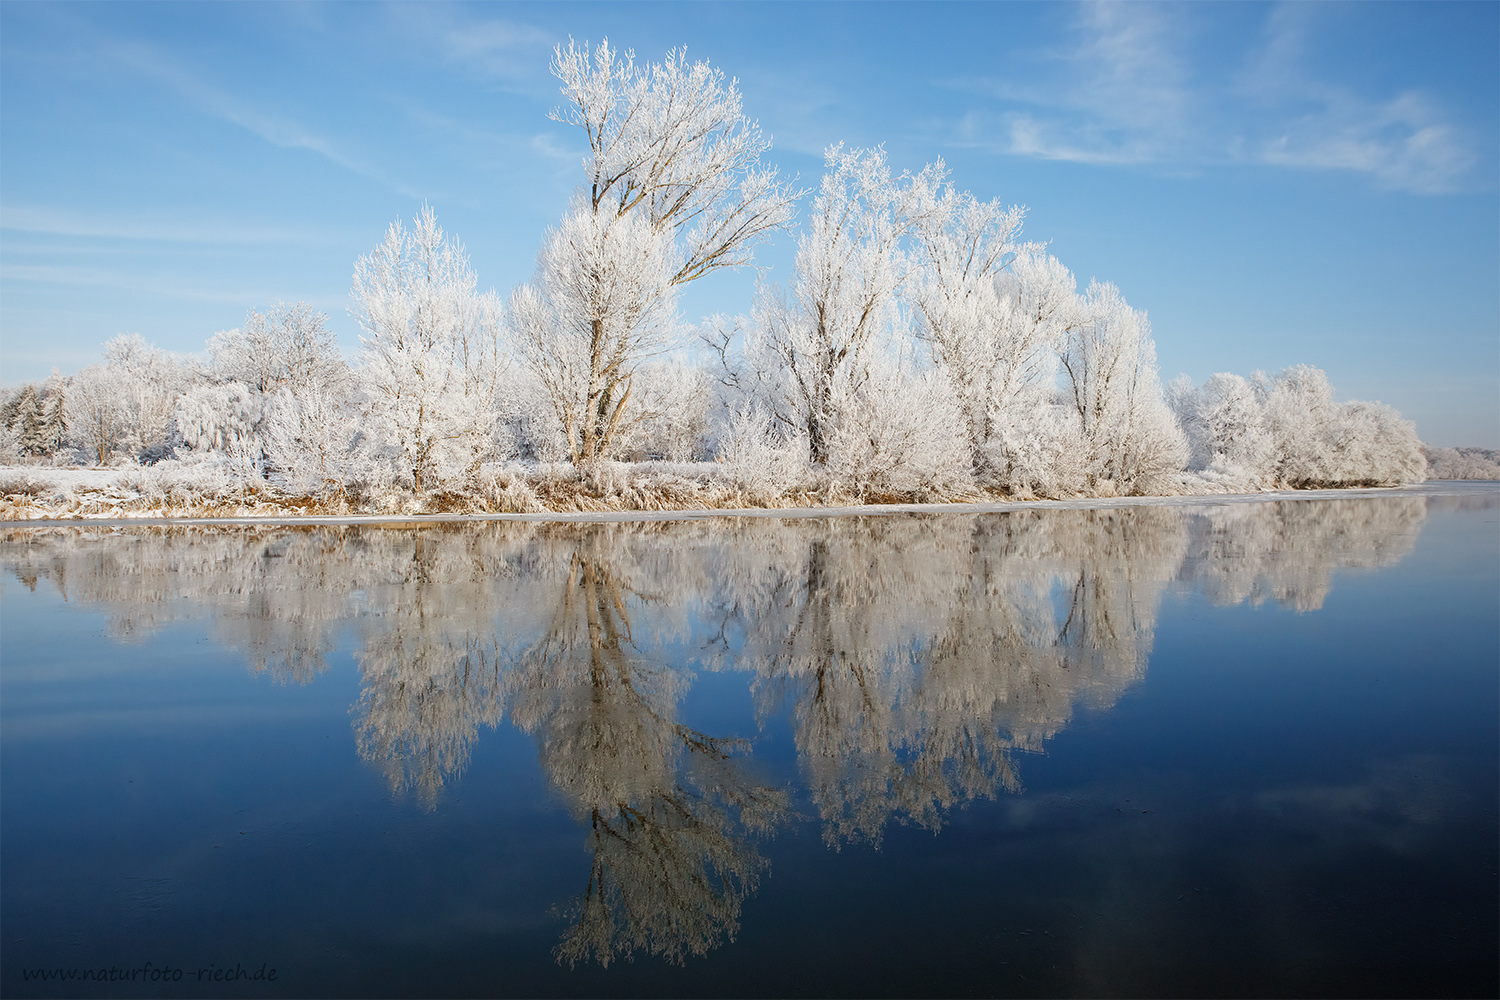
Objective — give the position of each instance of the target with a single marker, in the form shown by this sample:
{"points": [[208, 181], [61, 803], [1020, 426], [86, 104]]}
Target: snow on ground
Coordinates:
{"points": [[66, 478], [115, 481]]}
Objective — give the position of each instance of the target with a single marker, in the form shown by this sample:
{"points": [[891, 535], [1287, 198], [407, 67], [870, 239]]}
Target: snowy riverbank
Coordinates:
{"points": [[658, 491]]}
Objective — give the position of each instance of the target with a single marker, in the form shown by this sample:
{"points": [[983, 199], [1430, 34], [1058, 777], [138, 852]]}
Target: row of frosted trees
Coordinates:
{"points": [[919, 347]]}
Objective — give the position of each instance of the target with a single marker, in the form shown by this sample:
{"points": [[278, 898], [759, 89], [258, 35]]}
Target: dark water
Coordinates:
{"points": [[1234, 749]]}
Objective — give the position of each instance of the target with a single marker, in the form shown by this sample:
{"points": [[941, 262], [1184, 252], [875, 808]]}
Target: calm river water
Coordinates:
{"points": [[1210, 749]]}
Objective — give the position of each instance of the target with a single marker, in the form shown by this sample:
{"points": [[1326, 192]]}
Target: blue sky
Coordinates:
{"points": [[1274, 184]]}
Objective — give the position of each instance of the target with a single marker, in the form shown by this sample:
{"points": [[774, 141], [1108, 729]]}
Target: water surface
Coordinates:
{"points": [[1217, 749]]}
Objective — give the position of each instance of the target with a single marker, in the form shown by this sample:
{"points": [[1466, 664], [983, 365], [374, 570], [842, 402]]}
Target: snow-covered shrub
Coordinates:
{"points": [[1038, 452], [225, 419], [754, 460], [671, 401], [900, 432], [310, 441]]}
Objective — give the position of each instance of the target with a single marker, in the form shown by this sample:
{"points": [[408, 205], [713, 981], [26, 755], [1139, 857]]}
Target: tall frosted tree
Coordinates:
{"points": [[673, 190], [431, 352], [1130, 435], [994, 312], [816, 341]]}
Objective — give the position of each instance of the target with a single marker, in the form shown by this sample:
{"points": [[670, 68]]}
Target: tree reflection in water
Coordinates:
{"points": [[915, 656], [668, 808]]}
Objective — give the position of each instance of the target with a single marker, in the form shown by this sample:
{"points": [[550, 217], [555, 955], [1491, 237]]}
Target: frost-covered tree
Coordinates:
{"points": [[994, 313], [431, 352], [673, 190], [1462, 463], [963, 246], [150, 380], [1225, 423], [288, 404], [601, 303], [1289, 431], [1304, 423], [288, 346], [1374, 446], [97, 409], [1130, 435], [812, 346]]}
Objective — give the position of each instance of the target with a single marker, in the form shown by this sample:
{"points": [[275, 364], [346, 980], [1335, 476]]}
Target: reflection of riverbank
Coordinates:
{"points": [[914, 656]]}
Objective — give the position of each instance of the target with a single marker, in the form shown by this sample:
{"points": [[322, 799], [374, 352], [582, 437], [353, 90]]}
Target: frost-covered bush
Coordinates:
{"points": [[900, 432], [671, 404], [311, 441], [1039, 452], [754, 460], [226, 419]]}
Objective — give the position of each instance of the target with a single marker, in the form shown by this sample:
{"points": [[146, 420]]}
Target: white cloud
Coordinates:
{"points": [[1124, 92], [1119, 93], [1406, 142]]}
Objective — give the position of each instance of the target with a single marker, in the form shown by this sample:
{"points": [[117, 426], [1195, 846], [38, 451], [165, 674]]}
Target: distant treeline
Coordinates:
{"points": [[1462, 463]]}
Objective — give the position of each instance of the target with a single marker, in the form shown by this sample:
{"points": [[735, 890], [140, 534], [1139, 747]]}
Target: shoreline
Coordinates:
{"points": [[1428, 489]]}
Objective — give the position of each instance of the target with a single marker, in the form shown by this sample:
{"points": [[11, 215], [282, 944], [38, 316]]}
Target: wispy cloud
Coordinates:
{"points": [[278, 130], [500, 49], [1124, 91], [130, 281], [1405, 141], [47, 221], [1118, 92]]}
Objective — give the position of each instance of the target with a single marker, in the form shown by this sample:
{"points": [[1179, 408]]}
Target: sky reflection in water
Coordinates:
{"points": [[755, 727]]}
